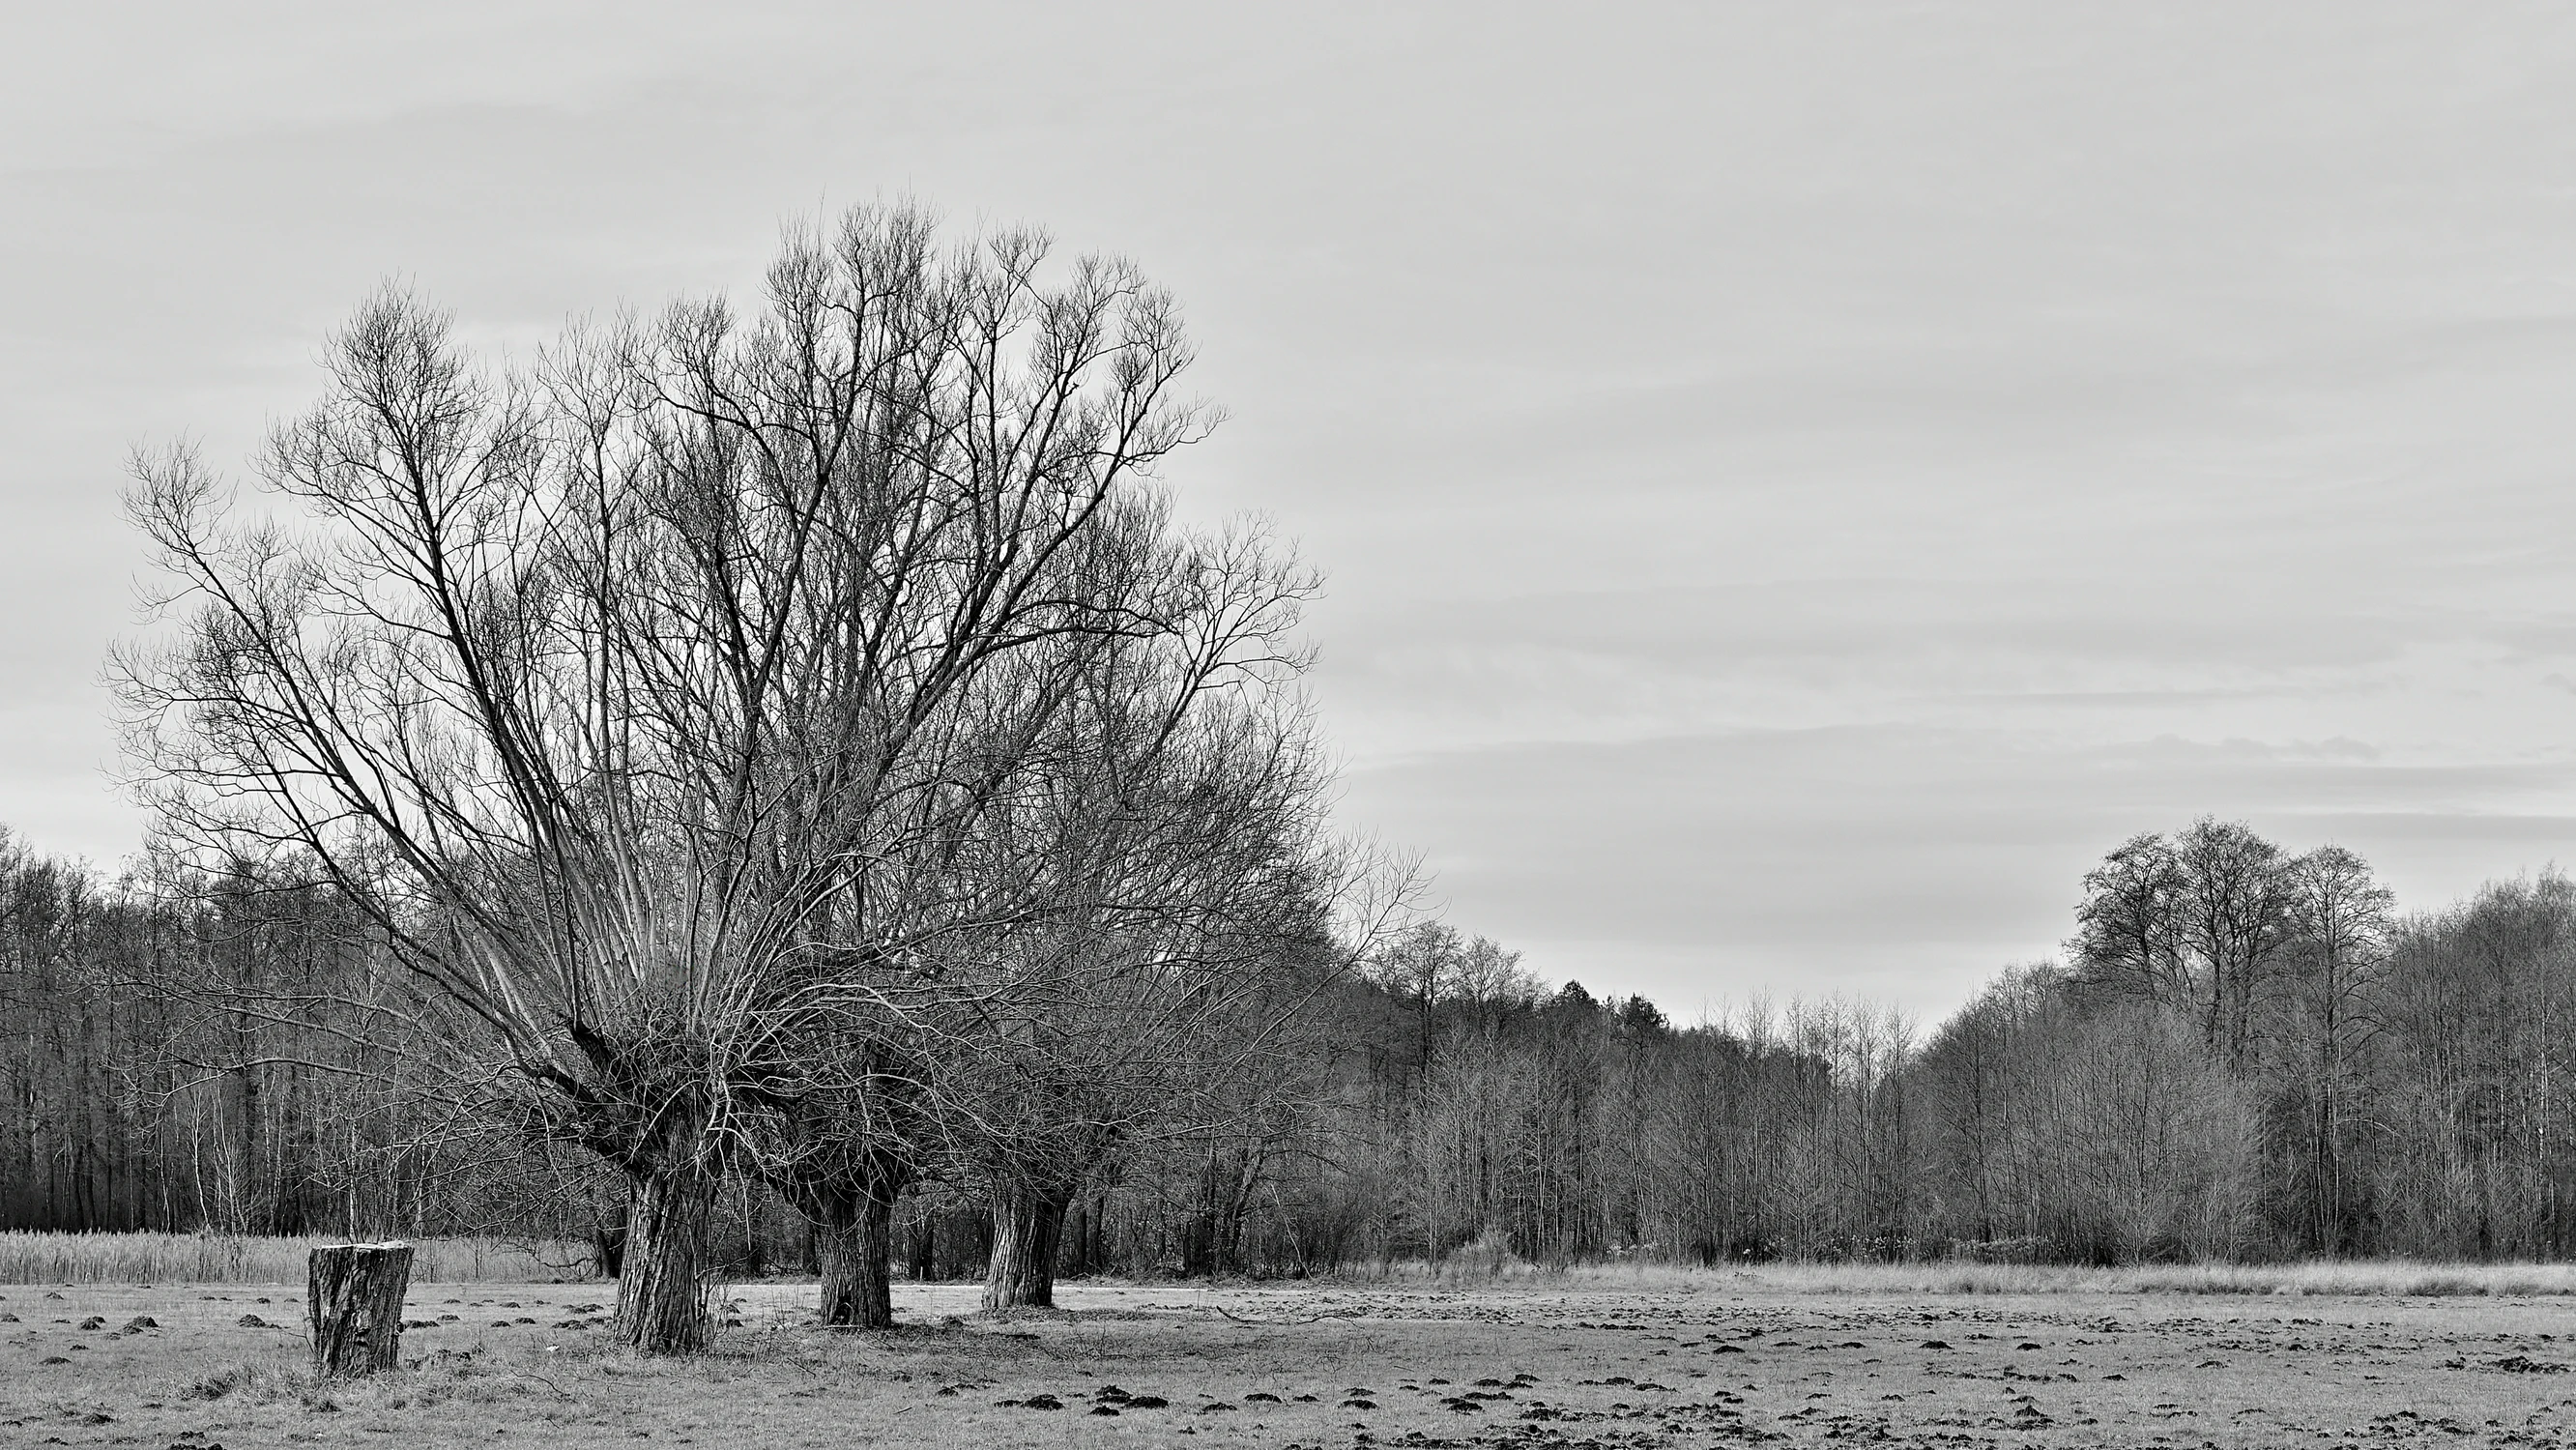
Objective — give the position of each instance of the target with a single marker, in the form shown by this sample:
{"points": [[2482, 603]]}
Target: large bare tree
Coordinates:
{"points": [[598, 688]]}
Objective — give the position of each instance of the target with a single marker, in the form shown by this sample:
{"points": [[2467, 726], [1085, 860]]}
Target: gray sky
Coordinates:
{"points": [[1799, 482]]}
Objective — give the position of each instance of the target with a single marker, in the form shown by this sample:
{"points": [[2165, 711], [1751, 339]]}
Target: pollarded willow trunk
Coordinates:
{"points": [[854, 1249], [1027, 1225], [662, 1280]]}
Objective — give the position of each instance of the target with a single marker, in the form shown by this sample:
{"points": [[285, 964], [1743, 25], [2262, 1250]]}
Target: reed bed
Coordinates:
{"points": [[168, 1258], [2400, 1277]]}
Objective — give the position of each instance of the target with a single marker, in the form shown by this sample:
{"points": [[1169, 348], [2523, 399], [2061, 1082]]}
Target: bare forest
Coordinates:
{"points": [[213, 1053]]}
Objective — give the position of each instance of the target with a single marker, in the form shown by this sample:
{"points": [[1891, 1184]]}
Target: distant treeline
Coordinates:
{"points": [[188, 1052], [2244, 1054]]}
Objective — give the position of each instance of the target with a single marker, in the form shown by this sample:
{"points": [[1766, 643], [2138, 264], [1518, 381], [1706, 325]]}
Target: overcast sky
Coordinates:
{"points": [[1798, 481]]}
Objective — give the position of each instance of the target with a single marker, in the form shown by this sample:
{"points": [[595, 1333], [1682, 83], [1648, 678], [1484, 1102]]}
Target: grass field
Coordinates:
{"points": [[1788, 1357]]}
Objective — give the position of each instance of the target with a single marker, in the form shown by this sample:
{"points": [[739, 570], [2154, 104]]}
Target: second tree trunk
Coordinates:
{"points": [[854, 1249], [1026, 1227]]}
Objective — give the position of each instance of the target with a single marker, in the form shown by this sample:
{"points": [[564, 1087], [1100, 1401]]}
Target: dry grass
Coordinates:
{"points": [[159, 1258], [2340, 1277]]}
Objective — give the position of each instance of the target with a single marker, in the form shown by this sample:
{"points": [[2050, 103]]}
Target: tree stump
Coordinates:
{"points": [[357, 1300]]}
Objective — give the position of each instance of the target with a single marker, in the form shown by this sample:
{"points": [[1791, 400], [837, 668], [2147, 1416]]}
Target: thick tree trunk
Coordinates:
{"points": [[661, 1280], [854, 1251], [1021, 1274], [355, 1299]]}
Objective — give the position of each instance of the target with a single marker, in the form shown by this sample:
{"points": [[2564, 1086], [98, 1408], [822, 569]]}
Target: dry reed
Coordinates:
{"points": [[2343, 1276], [166, 1258]]}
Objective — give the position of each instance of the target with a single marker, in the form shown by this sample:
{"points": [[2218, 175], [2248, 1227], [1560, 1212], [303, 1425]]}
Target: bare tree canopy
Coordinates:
{"points": [[596, 686]]}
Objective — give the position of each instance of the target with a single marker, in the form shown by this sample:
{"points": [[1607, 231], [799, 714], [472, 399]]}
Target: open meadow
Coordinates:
{"points": [[1894, 1356]]}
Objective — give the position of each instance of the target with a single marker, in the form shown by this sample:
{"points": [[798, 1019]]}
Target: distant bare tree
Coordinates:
{"points": [[2129, 935], [1422, 966], [2196, 924], [1974, 1072], [2341, 919], [2236, 920]]}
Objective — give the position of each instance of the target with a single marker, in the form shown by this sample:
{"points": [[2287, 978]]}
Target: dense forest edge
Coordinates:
{"points": [[2245, 1055]]}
